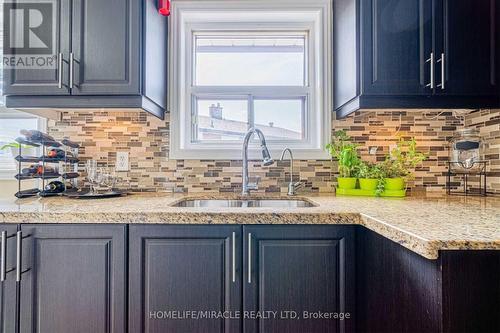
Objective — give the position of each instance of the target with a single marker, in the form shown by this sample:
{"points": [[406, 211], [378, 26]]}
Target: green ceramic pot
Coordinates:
{"points": [[347, 183], [394, 184], [368, 184]]}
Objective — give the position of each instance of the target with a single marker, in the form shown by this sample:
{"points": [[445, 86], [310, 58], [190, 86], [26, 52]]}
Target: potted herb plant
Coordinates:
{"points": [[369, 175], [399, 164], [345, 152]]}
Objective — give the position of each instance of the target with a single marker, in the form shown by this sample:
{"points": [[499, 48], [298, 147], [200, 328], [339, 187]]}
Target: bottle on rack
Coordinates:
{"points": [[70, 144], [38, 170], [36, 136], [57, 153], [57, 187]]}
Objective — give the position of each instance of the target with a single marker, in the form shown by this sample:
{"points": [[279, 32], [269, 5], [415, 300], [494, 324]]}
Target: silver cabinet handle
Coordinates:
{"points": [[249, 257], [60, 71], [19, 240], [71, 70], [234, 256], [3, 257], [431, 60], [442, 71]]}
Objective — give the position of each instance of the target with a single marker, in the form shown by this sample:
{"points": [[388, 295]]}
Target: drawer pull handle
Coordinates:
{"points": [[442, 71], [60, 71], [71, 70], [3, 257], [19, 240], [249, 257], [234, 256], [431, 60]]}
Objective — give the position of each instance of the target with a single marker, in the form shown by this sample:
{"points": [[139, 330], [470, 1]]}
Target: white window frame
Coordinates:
{"points": [[276, 16], [8, 174]]}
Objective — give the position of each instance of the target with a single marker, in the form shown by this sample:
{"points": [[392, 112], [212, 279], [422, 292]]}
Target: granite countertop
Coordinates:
{"points": [[423, 224]]}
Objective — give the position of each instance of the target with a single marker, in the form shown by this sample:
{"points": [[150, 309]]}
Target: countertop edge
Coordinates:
{"points": [[427, 248]]}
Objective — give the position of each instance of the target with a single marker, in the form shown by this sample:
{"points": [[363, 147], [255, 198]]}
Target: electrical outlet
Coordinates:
{"points": [[373, 150], [122, 161]]}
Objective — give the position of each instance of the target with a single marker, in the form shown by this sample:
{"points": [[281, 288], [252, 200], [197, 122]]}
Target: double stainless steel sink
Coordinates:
{"points": [[244, 203]]}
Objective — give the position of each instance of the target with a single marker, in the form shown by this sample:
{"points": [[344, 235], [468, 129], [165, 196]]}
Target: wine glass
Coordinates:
{"points": [[92, 173], [99, 179], [109, 180]]}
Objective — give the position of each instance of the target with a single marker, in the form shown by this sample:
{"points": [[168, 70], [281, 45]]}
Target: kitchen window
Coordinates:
{"points": [[11, 122], [248, 63]]}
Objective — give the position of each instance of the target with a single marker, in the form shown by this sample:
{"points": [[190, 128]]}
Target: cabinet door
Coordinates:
{"points": [[36, 80], [74, 279], [178, 269], [396, 43], [298, 268], [106, 47], [8, 285], [467, 37]]}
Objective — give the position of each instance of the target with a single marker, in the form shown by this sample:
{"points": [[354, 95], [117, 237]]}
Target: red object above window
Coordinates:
{"points": [[164, 7]]}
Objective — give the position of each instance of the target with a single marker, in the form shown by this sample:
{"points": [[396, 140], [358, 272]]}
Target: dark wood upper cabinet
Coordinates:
{"points": [[73, 279], [106, 51], [298, 268], [8, 303], [184, 268], [400, 42], [390, 54], [36, 81], [114, 55], [467, 38]]}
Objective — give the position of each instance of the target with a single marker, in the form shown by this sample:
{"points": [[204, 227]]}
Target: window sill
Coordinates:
{"points": [[253, 154]]}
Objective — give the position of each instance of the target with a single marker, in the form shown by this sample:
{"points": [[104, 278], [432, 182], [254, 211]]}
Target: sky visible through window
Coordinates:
{"points": [[250, 61], [282, 113]]}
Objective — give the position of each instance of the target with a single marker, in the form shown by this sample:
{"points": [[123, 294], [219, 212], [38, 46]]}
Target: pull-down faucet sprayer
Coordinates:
{"points": [[266, 159]]}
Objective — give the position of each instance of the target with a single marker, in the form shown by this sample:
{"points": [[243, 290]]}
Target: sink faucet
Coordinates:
{"points": [[266, 158], [292, 187]]}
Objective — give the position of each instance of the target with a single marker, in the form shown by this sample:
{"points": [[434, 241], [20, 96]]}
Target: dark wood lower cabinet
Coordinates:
{"points": [[401, 291], [232, 279], [74, 279], [177, 272], [471, 291], [397, 289], [297, 274], [8, 285], [286, 271]]}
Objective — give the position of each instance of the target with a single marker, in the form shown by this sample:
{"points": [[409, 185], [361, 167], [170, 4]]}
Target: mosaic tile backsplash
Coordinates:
{"points": [[488, 123], [146, 138]]}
